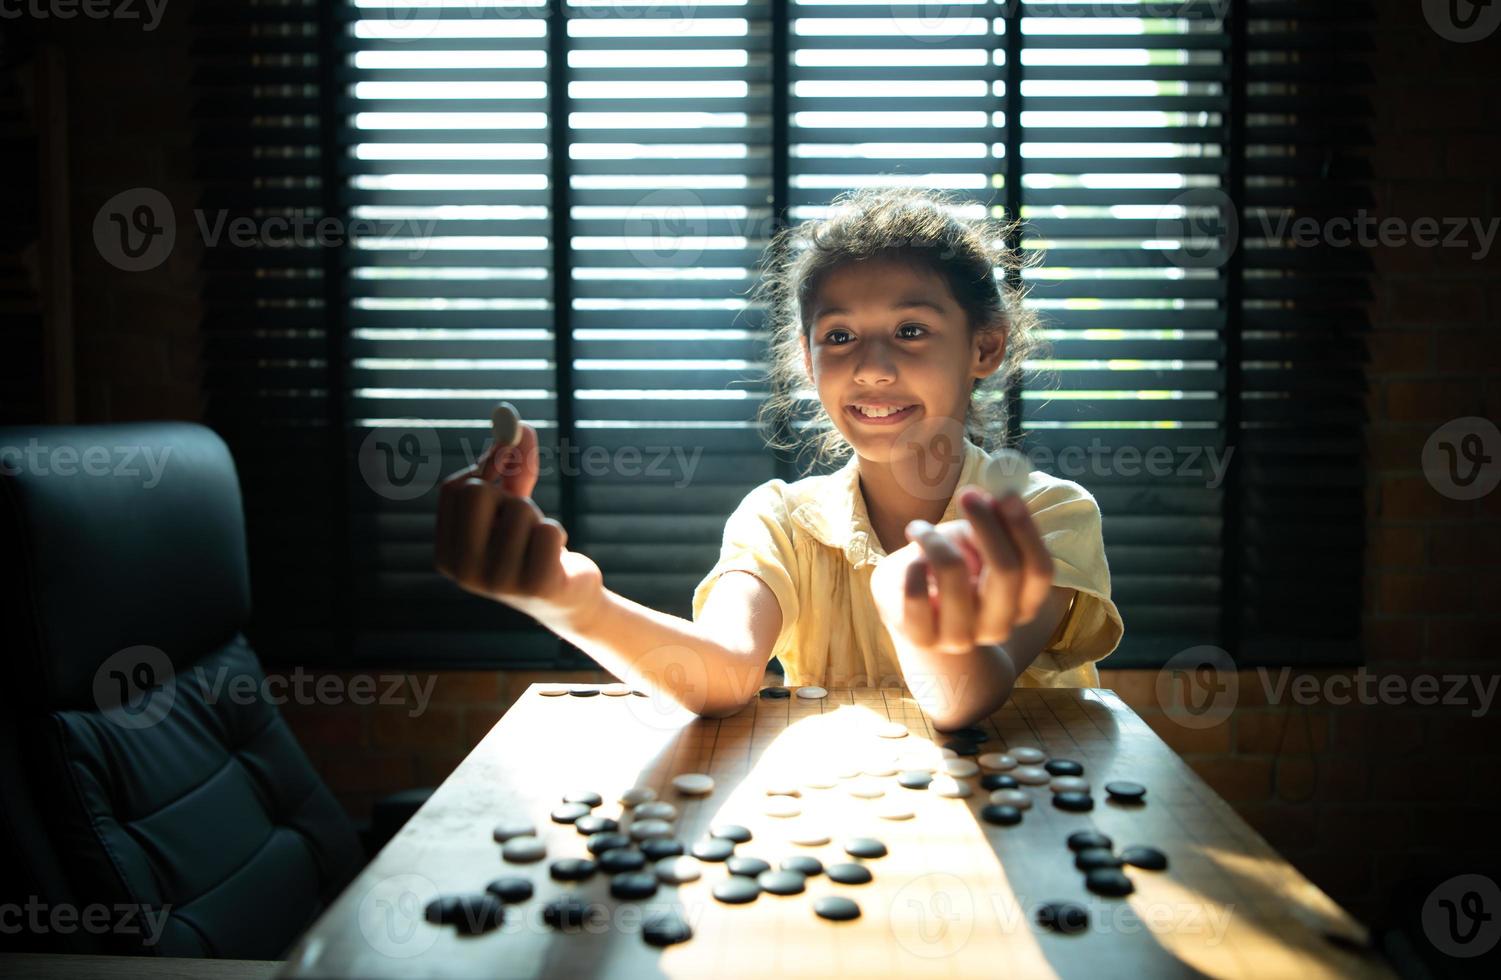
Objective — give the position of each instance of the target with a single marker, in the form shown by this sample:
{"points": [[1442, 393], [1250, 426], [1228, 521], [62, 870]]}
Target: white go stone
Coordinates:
{"points": [[647, 829], [693, 784], [948, 753], [1005, 472], [523, 850], [505, 423], [895, 810], [960, 768], [615, 690], [812, 693], [507, 829], [1011, 797], [1032, 775], [866, 789], [637, 795], [656, 810], [678, 870], [996, 761], [552, 691], [1069, 784], [783, 789], [1027, 755], [808, 835], [948, 786], [891, 729], [783, 806], [821, 780], [882, 767]]}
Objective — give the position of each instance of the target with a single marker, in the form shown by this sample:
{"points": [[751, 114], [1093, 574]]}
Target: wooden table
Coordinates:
{"points": [[955, 897], [73, 966]]}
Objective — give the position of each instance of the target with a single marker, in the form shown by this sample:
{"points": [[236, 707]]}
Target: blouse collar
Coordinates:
{"points": [[832, 508]]}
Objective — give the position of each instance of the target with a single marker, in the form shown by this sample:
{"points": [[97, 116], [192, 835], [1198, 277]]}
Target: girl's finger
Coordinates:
{"points": [[1001, 580], [1036, 562], [474, 510], [505, 548], [956, 606], [917, 607]]}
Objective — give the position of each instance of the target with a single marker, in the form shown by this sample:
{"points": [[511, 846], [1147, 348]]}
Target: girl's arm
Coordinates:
{"points": [[713, 676], [492, 540], [969, 604]]}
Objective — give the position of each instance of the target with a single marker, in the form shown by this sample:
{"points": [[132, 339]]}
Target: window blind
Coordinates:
{"points": [[562, 206]]}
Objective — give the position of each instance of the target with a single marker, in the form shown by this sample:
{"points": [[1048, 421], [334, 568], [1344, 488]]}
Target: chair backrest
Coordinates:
{"points": [[149, 769]]}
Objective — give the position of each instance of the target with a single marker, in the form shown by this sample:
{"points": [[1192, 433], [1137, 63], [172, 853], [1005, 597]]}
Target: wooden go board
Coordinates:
{"points": [[954, 897]]}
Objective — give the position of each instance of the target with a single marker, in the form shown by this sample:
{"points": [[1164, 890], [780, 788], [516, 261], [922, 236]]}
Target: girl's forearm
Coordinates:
{"points": [[664, 655]]}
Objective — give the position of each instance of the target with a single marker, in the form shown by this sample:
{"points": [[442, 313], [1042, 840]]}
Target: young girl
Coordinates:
{"points": [[897, 567]]}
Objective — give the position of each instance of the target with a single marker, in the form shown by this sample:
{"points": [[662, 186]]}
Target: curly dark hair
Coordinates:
{"points": [[908, 224]]}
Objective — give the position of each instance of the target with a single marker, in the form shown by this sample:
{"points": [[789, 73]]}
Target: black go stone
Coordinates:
{"points": [[915, 779], [864, 847], [583, 692], [782, 882], [620, 860], [567, 912], [997, 780], [1073, 802], [1080, 839], [442, 910], [713, 849], [665, 929], [510, 889], [569, 812], [731, 832], [634, 885], [609, 841], [1147, 858], [1064, 767], [586, 797], [1001, 815], [1095, 857], [970, 734], [804, 864], [836, 908], [748, 866], [775, 693], [661, 847], [849, 874], [1125, 791], [477, 913], [1111, 882], [962, 746], [640, 694], [737, 890], [596, 825], [1064, 917], [572, 869]]}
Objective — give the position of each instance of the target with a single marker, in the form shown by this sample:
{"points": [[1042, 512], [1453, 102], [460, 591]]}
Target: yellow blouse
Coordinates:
{"points": [[812, 543]]}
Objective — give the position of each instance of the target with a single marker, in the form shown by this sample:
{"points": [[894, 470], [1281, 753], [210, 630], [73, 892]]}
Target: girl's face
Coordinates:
{"points": [[887, 338]]}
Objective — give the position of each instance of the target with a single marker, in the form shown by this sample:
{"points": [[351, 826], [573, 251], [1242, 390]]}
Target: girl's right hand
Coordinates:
{"points": [[492, 539]]}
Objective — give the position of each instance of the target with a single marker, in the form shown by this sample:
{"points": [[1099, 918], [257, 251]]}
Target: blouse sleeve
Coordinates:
{"points": [[758, 540], [1069, 520]]}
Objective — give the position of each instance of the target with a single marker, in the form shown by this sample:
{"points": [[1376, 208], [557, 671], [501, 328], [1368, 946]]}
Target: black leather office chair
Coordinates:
{"points": [[131, 773]]}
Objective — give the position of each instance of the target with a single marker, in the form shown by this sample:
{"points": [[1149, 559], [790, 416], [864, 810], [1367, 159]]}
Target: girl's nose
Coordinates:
{"points": [[874, 364]]}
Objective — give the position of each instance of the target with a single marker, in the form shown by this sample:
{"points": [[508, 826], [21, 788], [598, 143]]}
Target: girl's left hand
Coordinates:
{"points": [[965, 583]]}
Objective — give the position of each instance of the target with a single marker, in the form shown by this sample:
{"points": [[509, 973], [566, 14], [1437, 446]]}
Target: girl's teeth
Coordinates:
{"points": [[878, 413]]}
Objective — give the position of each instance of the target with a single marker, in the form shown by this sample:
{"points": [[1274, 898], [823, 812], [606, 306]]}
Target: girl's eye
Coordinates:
{"points": [[832, 334], [914, 326]]}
